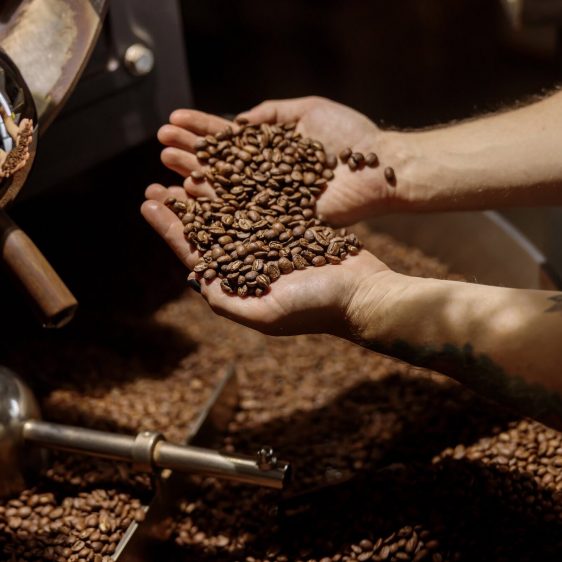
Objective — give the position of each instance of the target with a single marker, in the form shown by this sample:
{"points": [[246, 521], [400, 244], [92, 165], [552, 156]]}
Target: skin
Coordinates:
{"points": [[502, 342]]}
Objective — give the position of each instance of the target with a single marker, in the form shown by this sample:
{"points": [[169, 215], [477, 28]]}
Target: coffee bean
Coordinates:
{"points": [[203, 155], [197, 176], [268, 178], [371, 160], [263, 281], [200, 144], [358, 157], [285, 265], [273, 272], [390, 176], [345, 154], [299, 262]]}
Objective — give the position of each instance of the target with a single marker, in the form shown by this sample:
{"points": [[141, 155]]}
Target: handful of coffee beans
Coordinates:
{"points": [[262, 223]]}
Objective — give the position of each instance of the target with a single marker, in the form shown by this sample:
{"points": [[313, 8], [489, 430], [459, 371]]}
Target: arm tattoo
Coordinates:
{"points": [[557, 304], [481, 374]]}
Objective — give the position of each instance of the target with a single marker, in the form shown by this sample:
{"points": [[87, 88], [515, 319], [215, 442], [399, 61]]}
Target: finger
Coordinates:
{"points": [[200, 189], [170, 135], [276, 111], [179, 161], [199, 122], [158, 192], [170, 228]]}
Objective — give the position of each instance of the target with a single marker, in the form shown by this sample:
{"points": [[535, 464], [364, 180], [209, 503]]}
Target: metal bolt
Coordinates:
{"points": [[266, 459], [139, 59]]}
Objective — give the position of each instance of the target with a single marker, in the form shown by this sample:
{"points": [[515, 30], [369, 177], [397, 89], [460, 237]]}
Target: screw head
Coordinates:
{"points": [[139, 59], [266, 459]]}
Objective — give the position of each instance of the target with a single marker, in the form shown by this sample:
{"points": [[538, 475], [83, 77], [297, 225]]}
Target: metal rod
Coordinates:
{"points": [[212, 463], [148, 450], [79, 440]]}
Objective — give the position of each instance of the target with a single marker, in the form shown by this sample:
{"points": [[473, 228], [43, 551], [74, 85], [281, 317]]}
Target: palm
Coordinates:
{"points": [[349, 194], [306, 301]]}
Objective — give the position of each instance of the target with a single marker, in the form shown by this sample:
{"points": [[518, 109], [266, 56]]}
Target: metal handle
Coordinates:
{"points": [[213, 463], [148, 450]]}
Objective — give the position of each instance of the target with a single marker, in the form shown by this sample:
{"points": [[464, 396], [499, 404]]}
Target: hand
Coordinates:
{"points": [[314, 300], [349, 197]]}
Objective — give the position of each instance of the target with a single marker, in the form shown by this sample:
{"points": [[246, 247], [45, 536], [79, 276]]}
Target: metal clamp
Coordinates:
{"points": [[143, 450]]}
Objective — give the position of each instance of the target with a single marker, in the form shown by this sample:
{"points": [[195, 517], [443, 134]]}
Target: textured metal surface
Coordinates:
{"points": [[50, 41], [17, 405]]}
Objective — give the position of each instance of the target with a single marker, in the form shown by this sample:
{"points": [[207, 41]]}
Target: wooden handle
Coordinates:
{"points": [[50, 297]]}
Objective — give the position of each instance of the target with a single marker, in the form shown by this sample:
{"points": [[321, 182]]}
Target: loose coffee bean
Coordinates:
{"points": [[197, 176], [390, 176], [371, 160], [345, 154], [358, 157]]}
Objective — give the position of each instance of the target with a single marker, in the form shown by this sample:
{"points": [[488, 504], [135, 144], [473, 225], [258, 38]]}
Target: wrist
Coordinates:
{"points": [[369, 311], [416, 171]]}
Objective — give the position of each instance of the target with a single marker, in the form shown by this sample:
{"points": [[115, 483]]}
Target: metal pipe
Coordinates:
{"points": [[148, 450], [79, 440], [212, 463]]}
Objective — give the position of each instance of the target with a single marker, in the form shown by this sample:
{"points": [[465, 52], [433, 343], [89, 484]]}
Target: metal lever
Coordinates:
{"points": [[149, 450]]}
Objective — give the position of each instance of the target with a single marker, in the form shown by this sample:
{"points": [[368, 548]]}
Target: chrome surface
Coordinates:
{"points": [[17, 405], [139, 59], [206, 462]]}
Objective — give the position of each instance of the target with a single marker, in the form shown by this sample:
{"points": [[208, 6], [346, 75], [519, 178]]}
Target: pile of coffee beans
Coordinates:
{"points": [[262, 223], [391, 463], [41, 526], [14, 160]]}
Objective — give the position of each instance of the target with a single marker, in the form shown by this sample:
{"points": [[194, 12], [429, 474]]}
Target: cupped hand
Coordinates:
{"points": [[349, 197], [313, 300]]}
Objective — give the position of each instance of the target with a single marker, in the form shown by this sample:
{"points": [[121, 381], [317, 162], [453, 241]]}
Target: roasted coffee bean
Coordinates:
{"points": [[372, 160], [285, 265], [203, 155], [358, 157], [268, 178], [273, 272], [210, 274], [299, 262], [390, 176], [263, 281], [197, 176], [345, 154]]}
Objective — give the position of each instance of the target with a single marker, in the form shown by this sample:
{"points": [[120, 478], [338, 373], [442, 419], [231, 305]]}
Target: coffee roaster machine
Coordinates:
{"points": [[115, 57]]}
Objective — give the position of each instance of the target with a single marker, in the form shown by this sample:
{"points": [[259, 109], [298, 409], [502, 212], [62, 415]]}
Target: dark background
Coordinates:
{"points": [[411, 63]]}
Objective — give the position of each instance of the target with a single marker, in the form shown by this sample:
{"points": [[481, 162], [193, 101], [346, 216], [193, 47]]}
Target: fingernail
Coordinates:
{"points": [[194, 284]]}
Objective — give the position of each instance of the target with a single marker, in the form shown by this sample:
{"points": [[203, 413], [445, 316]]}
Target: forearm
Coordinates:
{"points": [[508, 159], [503, 343]]}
